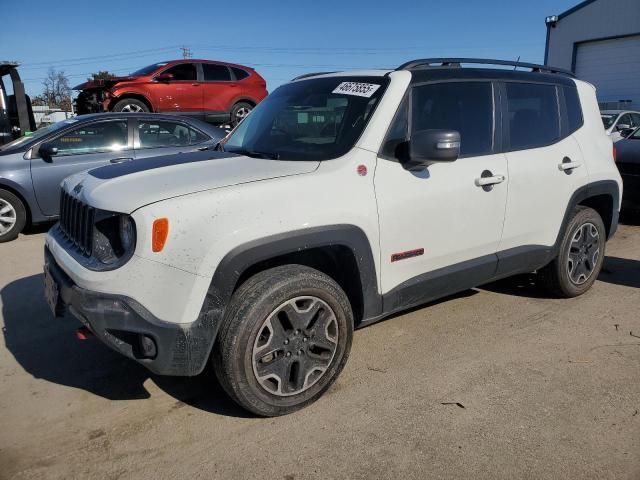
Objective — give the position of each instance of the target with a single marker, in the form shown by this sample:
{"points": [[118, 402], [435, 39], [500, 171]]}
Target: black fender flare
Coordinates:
{"points": [[242, 257], [602, 187]]}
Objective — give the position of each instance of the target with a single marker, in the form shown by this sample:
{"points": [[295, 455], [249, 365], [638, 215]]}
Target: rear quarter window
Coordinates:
{"points": [[572, 118]]}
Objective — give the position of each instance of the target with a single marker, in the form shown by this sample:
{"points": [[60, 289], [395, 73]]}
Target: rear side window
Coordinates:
{"points": [[163, 133], [466, 107], [533, 116], [239, 73], [216, 73], [572, 109]]}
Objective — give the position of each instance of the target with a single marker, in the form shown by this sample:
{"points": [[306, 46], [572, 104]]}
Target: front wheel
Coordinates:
{"points": [[130, 105], [285, 338], [581, 255], [13, 216]]}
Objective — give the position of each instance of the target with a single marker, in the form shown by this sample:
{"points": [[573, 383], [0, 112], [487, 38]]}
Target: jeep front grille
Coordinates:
{"points": [[76, 222]]}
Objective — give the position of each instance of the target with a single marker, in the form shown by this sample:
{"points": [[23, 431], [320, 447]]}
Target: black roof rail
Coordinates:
{"points": [[306, 75], [456, 62]]}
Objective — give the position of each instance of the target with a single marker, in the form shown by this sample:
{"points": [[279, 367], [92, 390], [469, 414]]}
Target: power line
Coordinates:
{"points": [[73, 61]]}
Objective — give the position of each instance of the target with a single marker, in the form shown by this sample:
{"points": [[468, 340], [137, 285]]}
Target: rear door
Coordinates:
{"points": [[85, 147], [166, 137], [545, 162], [219, 88]]}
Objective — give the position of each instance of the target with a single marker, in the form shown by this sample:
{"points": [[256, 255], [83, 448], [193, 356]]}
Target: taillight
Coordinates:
{"points": [[615, 153]]}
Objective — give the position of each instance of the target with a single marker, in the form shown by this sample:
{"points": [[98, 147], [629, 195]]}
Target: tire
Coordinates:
{"points": [[130, 105], [239, 111], [269, 328], [13, 216], [580, 257]]}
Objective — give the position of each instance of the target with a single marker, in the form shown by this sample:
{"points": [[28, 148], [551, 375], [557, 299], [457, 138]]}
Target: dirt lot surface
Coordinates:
{"points": [[498, 382]]}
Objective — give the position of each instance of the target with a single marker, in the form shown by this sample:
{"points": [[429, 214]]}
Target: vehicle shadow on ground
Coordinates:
{"points": [[38, 228], [619, 271], [47, 348]]}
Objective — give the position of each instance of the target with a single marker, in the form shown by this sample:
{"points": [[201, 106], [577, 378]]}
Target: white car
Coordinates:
{"points": [[618, 122], [342, 198]]}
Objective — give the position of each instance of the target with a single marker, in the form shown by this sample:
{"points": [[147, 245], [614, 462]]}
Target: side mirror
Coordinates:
{"points": [[622, 126], [47, 151], [430, 146], [164, 77]]}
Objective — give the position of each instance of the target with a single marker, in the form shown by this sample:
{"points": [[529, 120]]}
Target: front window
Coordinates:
{"points": [[317, 119], [38, 134], [148, 70], [607, 120], [183, 72], [107, 136]]}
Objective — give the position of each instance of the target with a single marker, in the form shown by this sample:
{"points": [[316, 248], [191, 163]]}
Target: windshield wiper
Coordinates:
{"points": [[256, 154]]}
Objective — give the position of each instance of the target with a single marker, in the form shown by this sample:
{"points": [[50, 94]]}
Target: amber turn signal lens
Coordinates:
{"points": [[159, 234]]}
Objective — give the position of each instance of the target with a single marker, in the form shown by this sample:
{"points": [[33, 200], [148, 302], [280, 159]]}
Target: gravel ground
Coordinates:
{"points": [[497, 382]]}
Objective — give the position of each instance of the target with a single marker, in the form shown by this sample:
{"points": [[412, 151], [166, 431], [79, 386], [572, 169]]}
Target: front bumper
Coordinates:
{"points": [[122, 324]]}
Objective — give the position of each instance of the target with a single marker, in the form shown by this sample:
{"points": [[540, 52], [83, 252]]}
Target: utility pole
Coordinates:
{"points": [[186, 52]]}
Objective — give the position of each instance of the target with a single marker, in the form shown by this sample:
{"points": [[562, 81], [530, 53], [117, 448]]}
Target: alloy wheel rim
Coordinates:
{"points": [[242, 112], [8, 217], [584, 252], [131, 108], [295, 346]]}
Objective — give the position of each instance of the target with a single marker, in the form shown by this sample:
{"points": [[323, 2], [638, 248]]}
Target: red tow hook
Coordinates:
{"points": [[83, 333]]}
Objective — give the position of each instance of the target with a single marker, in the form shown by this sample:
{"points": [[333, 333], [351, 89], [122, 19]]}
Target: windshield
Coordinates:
{"points": [[149, 69], [41, 132], [607, 120], [315, 119]]}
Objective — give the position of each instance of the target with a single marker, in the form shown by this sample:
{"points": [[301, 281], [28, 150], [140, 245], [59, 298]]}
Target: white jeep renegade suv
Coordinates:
{"points": [[342, 198]]}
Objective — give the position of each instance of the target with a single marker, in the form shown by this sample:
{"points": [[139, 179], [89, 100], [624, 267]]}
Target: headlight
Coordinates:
{"points": [[114, 238]]}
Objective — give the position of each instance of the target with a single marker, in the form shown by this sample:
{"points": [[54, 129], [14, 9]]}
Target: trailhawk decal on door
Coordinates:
{"points": [[356, 88], [408, 254]]}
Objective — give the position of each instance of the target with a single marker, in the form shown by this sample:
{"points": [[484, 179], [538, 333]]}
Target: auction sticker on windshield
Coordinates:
{"points": [[356, 88]]}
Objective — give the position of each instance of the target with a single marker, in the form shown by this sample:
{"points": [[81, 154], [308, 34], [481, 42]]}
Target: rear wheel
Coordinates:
{"points": [[581, 255], [239, 111], [285, 339], [13, 216], [130, 105]]}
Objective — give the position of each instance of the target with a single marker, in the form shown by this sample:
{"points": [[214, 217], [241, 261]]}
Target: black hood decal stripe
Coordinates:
{"points": [[109, 172]]}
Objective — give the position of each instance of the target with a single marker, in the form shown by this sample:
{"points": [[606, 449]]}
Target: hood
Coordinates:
{"points": [[108, 83], [125, 187]]}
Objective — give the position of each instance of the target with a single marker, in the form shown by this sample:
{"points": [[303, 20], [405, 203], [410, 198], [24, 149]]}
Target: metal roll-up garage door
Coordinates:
{"points": [[613, 66]]}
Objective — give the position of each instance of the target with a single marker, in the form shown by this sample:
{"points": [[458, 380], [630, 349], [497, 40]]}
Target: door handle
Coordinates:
{"points": [[488, 180], [121, 160], [568, 165], [195, 84]]}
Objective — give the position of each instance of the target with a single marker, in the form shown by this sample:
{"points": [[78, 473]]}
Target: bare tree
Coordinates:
{"points": [[56, 90]]}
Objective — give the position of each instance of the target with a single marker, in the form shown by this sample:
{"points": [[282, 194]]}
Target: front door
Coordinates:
{"points": [[88, 146], [441, 222], [182, 92]]}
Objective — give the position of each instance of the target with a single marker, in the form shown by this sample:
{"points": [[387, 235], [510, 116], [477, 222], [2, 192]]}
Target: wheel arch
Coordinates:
{"points": [[341, 251], [18, 192], [604, 197], [129, 94]]}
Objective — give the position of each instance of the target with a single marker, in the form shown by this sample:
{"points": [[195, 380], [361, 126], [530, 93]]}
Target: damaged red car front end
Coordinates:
{"points": [[96, 95]]}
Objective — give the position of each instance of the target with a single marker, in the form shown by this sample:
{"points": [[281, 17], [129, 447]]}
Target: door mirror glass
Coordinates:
{"points": [[429, 146], [164, 77], [47, 150]]}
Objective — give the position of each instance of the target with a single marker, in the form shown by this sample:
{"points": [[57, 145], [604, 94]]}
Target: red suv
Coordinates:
{"points": [[215, 91]]}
